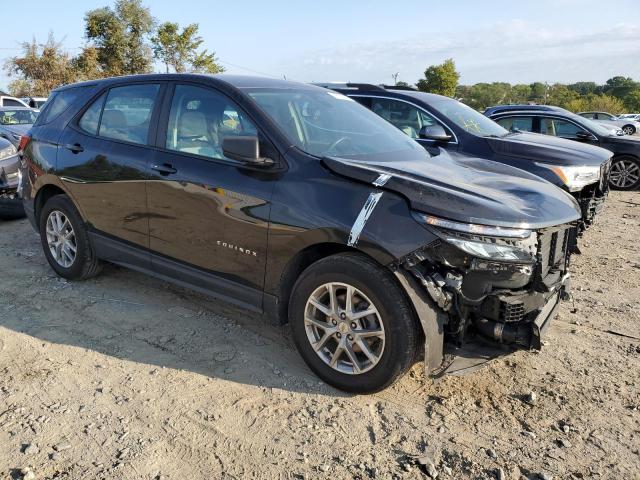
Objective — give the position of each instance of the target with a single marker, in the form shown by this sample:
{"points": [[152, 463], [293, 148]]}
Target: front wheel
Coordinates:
{"points": [[625, 173], [352, 323]]}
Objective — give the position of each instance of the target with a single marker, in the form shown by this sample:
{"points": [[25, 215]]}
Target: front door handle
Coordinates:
{"points": [[75, 148], [164, 169]]}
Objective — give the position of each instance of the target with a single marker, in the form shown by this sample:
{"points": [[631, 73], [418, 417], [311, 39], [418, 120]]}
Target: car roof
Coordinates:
{"points": [[238, 81], [383, 90]]}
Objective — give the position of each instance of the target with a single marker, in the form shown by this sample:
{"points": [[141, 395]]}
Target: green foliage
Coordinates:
{"points": [[179, 50], [41, 68], [119, 42], [119, 35], [596, 103], [577, 97], [441, 79]]}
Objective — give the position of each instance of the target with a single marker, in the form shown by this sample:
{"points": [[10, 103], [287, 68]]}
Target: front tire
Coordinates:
{"points": [[11, 209], [352, 323], [625, 173], [65, 240]]}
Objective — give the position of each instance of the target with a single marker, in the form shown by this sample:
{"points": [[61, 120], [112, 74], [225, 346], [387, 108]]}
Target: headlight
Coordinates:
{"points": [[575, 178], [8, 152], [484, 241]]}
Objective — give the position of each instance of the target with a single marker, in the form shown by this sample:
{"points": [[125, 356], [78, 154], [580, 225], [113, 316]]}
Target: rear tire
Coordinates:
{"points": [[629, 129], [65, 240], [345, 346], [625, 173]]}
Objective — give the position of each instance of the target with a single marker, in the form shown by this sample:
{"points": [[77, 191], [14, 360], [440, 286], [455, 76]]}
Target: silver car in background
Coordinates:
{"points": [[628, 126], [15, 122]]}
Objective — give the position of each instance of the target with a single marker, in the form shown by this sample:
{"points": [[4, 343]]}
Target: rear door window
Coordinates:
{"points": [[523, 124], [127, 113]]}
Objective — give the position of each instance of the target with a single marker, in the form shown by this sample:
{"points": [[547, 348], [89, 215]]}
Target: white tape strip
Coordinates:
{"points": [[363, 216]]}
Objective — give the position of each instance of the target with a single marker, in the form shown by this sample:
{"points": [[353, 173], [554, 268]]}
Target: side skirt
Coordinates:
{"points": [[141, 260]]}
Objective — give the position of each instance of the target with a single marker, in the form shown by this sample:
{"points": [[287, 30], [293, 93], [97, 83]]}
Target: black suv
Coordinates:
{"points": [[296, 201], [438, 121], [558, 122]]}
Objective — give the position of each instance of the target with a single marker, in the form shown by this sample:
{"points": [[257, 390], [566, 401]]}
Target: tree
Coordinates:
{"points": [[619, 86], [596, 103], [585, 88], [119, 36], [179, 50], [40, 69], [560, 95], [632, 100], [441, 79]]}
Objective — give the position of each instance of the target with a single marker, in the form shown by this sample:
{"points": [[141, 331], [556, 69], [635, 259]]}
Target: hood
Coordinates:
{"points": [[467, 189], [548, 149], [625, 139]]}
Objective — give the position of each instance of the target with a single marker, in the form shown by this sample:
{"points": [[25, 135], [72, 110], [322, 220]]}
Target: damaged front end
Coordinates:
{"points": [[592, 197], [503, 284]]}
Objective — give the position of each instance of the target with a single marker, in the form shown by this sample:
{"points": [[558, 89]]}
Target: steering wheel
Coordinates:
{"points": [[337, 142]]}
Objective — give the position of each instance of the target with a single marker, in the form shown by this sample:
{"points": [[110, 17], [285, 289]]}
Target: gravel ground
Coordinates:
{"points": [[128, 377]]}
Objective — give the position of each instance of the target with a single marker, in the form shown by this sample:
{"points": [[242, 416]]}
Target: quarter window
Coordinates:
{"points": [[58, 104], [201, 118], [523, 124], [127, 113], [402, 115]]}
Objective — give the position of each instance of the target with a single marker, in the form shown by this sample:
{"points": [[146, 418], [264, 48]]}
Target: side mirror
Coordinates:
{"points": [[582, 135], [434, 132], [244, 149]]}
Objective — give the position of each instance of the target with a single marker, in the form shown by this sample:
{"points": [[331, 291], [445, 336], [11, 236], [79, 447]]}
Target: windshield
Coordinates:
{"points": [[467, 118], [325, 123], [17, 117]]}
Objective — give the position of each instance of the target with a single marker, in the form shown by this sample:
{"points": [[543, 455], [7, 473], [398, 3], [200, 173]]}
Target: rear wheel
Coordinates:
{"points": [[625, 173], [65, 240], [352, 323], [629, 129]]}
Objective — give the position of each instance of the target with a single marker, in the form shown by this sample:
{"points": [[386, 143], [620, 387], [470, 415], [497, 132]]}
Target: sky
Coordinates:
{"points": [[368, 41]]}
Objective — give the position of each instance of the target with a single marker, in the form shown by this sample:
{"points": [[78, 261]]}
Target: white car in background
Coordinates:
{"points": [[628, 126], [34, 102], [7, 101], [631, 116]]}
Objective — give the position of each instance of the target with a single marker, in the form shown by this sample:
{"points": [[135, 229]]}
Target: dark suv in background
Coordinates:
{"points": [[560, 123], [437, 121], [295, 201]]}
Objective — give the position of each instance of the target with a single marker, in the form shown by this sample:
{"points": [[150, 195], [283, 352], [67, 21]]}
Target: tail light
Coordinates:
{"points": [[24, 141]]}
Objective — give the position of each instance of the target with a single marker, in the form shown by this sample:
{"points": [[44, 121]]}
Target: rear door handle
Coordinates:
{"points": [[75, 148], [164, 169]]}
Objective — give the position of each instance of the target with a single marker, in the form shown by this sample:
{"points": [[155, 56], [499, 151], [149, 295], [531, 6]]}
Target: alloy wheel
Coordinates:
{"points": [[344, 328], [61, 239], [624, 173], [628, 130]]}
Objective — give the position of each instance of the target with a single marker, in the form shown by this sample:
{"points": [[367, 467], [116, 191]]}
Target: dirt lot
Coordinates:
{"points": [[128, 377]]}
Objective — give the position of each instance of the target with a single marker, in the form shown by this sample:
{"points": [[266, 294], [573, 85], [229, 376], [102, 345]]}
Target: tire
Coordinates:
{"points": [[85, 264], [629, 129], [625, 173], [371, 286], [11, 209]]}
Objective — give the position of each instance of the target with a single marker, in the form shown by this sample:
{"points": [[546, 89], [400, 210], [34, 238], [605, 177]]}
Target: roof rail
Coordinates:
{"points": [[358, 86], [399, 87]]}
